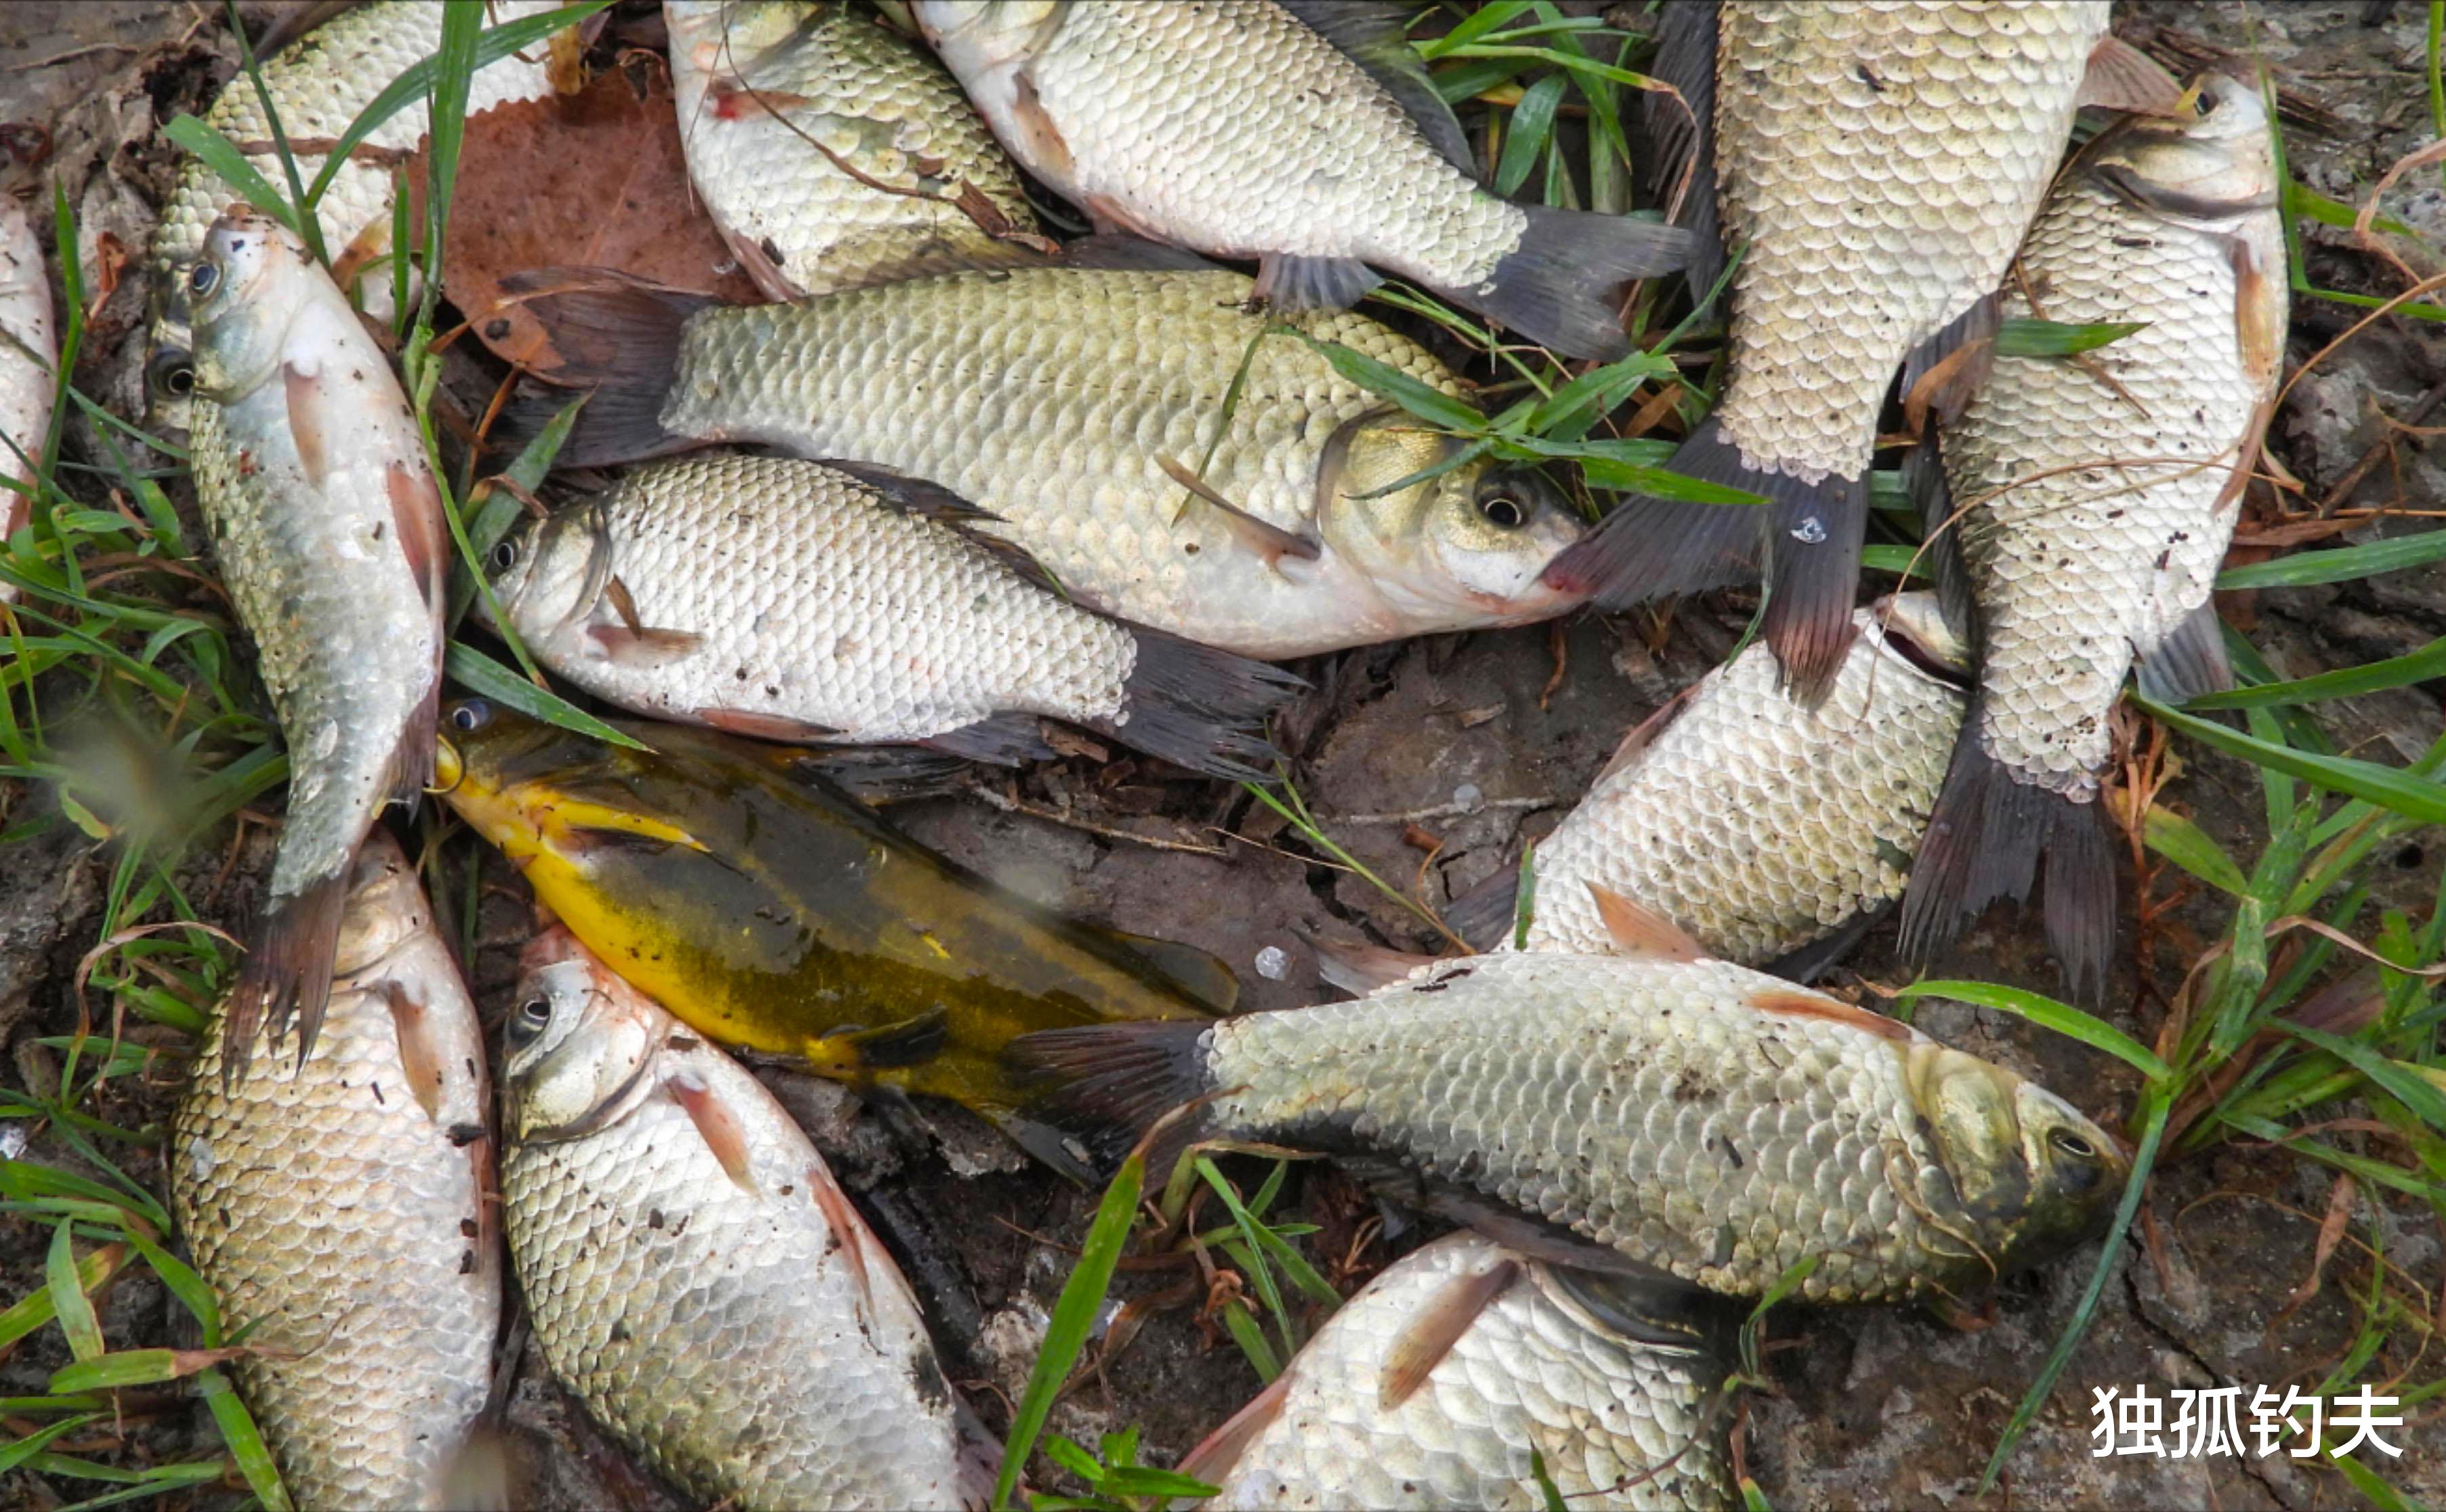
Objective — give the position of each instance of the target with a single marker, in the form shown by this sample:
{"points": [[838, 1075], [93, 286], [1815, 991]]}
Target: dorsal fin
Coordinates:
{"points": [[1376, 38], [1641, 933], [1360, 968], [1791, 1002]]}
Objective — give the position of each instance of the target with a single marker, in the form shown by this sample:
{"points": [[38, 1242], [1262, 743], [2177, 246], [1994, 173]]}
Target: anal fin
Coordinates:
{"points": [[1314, 283], [2190, 662]]}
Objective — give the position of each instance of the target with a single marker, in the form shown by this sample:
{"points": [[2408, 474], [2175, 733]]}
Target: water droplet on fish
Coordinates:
{"points": [[1809, 531], [1272, 964]]}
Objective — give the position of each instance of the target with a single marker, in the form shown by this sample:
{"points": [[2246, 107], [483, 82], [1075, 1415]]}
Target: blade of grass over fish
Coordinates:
{"points": [[1531, 127], [244, 1439], [2189, 846], [1074, 1316], [1549, 1496], [2344, 565], [221, 156], [1908, 562], [70, 1303], [1524, 902], [483, 675], [453, 74], [309, 225], [525, 473], [2386, 786], [2350, 682], [2049, 1013], [416, 81], [2156, 1105], [2052, 338], [1436, 408], [1754, 1325]]}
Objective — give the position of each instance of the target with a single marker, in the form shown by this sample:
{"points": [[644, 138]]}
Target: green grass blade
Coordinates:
{"points": [[1435, 407], [1549, 1496], [1907, 562], [2049, 1013], [2053, 338], [1242, 1324], [1471, 26], [2426, 1100], [13, 1455], [1146, 1481], [244, 1439], [1531, 128], [454, 73], [122, 1367], [2387, 786], [2188, 846], [1074, 1315], [2350, 682], [309, 224], [70, 1303], [2156, 1105], [221, 156], [480, 674]]}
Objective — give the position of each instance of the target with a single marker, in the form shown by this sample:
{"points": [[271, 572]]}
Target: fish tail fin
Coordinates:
{"points": [[1813, 556], [1648, 548], [1199, 707], [1985, 839], [618, 338], [1125, 1078], [1562, 285], [286, 975]]}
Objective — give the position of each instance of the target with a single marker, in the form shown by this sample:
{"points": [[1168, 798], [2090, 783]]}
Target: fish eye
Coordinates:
{"points": [[505, 556], [2072, 1145], [171, 371], [201, 278], [1502, 511], [470, 716], [529, 1021]]}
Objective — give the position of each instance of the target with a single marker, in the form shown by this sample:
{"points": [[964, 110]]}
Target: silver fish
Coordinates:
{"points": [[342, 1210], [1879, 160], [791, 600], [1304, 134], [1433, 1387], [827, 148], [695, 1276], [2099, 495], [28, 357], [1651, 1115], [329, 539]]}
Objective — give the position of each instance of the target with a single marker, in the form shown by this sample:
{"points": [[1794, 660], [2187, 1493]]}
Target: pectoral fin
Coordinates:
{"points": [[2122, 77], [1429, 1336]]}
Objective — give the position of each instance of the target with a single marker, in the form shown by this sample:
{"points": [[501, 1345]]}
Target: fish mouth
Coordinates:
{"points": [[449, 768]]}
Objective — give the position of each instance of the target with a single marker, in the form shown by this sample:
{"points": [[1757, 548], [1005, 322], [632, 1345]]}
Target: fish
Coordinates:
{"points": [[696, 1276], [1880, 163], [790, 600], [319, 85], [1656, 1115], [1432, 1386], [2098, 496], [1304, 133], [29, 351], [341, 1212], [1774, 835], [770, 912], [1082, 407], [330, 537], [827, 147]]}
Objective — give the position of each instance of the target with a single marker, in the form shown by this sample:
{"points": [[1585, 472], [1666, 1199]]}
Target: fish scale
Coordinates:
{"points": [[1895, 204], [336, 1215], [1757, 825], [1618, 1423], [763, 90]]}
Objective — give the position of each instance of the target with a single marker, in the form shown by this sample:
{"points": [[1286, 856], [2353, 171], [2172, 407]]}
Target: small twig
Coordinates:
{"points": [[1054, 815], [1416, 816], [69, 55], [2379, 449]]}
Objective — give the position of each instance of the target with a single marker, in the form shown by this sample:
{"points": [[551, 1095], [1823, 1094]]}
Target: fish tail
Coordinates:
{"points": [[1562, 285], [1986, 840], [1125, 1078], [287, 974], [1648, 548], [618, 338], [1812, 555], [1199, 707]]}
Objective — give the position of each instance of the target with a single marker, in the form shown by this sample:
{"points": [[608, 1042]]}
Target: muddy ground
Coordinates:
{"points": [[1464, 746]]}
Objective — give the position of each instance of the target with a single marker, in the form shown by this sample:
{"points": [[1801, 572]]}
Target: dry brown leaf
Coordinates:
{"points": [[598, 178]]}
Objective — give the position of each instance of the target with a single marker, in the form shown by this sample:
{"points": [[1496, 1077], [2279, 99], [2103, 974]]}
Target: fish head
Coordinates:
{"points": [[2031, 1174], [1464, 547], [549, 576], [978, 36], [579, 1049], [1914, 627], [2214, 169], [720, 37], [240, 319], [386, 907], [505, 773]]}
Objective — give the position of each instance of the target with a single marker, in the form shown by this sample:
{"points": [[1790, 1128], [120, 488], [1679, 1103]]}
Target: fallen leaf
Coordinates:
{"points": [[596, 178]]}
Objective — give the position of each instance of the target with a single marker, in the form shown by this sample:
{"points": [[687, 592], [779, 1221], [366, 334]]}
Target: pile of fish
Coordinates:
{"points": [[950, 485]]}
